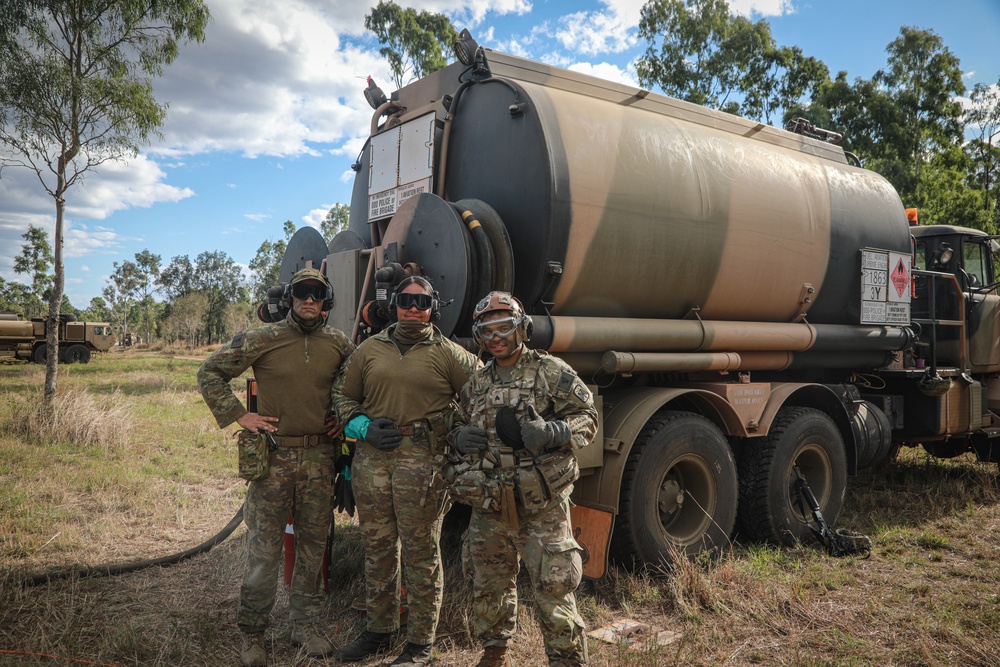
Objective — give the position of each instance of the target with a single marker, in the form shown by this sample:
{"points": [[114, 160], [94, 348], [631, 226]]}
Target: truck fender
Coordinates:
{"points": [[819, 396], [626, 413]]}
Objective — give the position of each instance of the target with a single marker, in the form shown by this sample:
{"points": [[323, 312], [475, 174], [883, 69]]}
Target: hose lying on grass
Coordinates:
{"points": [[112, 569]]}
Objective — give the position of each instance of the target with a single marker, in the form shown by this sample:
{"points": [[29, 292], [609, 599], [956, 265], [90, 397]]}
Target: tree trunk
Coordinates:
{"points": [[58, 281]]}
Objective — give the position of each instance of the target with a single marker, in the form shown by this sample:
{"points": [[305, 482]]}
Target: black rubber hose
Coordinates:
{"points": [[483, 261], [112, 569]]}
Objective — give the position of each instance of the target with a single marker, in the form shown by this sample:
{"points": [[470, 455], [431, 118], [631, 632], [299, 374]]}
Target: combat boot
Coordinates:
{"points": [[253, 654], [368, 643], [312, 640], [495, 656], [414, 655]]}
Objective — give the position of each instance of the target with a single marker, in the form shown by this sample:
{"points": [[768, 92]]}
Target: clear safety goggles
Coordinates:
{"points": [[503, 328], [406, 300], [306, 290]]}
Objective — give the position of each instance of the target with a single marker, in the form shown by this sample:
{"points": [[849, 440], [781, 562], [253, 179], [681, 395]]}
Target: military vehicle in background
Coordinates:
{"points": [[25, 339], [747, 303]]}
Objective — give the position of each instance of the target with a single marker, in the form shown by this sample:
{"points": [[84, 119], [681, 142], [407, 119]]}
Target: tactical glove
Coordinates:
{"points": [[471, 440], [539, 435], [382, 434], [343, 492]]}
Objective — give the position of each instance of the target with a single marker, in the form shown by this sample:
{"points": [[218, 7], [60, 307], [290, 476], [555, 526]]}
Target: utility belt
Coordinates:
{"points": [[412, 429], [528, 487], [431, 432], [303, 440]]}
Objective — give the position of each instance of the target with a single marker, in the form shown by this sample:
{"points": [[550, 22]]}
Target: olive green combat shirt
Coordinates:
{"points": [[295, 373], [378, 381]]}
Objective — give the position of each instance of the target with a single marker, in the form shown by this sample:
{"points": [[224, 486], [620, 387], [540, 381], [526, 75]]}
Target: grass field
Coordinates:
{"points": [[132, 466]]}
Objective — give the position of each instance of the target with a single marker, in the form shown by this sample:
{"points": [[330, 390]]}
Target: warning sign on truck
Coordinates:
{"points": [[885, 287]]}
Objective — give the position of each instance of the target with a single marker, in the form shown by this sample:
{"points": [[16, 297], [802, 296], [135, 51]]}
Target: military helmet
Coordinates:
{"points": [[498, 301], [501, 302]]}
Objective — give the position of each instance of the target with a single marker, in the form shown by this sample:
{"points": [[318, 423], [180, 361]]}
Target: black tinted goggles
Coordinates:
{"points": [[406, 301], [309, 290]]}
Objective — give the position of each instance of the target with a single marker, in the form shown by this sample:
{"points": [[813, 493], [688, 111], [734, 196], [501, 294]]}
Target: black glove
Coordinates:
{"points": [[382, 434], [539, 435], [343, 492], [471, 440]]}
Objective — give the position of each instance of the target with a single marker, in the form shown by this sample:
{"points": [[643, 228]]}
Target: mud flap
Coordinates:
{"points": [[592, 529]]}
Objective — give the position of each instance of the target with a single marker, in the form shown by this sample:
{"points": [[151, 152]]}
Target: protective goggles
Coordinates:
{"points": [[305, 291], [405, 300], [503, 328]]}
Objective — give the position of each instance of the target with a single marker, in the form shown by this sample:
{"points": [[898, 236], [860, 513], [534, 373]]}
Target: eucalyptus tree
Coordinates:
{"points": [[35, 261], [415, 43], [76, 91], [701, 52]]}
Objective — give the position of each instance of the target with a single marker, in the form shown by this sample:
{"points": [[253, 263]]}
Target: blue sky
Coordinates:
{"points": [[267, 115]]}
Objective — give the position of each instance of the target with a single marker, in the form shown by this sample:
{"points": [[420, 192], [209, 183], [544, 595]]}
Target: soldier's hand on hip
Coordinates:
{"points": [[333, 427], [471, 440], [382, 434], [256, 422]]}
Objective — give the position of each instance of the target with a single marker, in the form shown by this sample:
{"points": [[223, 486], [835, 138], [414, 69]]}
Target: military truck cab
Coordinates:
{"points": [[956, 303]]}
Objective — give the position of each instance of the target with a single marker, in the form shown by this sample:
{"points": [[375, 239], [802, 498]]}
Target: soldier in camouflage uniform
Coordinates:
{"points": [[396, 396], [295, 363], [526, 412]]}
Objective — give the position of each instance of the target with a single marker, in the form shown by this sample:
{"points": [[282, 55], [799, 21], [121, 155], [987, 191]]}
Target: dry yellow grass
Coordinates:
{"points": [[162, 479]]}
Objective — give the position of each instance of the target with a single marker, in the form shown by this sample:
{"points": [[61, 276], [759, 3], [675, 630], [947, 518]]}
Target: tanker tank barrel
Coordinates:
{"points": [[666, 362], [599, 334]]}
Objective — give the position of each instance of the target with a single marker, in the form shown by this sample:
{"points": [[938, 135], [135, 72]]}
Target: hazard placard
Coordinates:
{"points": [[885, 287]]}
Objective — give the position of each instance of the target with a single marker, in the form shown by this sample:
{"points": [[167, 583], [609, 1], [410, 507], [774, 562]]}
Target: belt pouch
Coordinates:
{"points": [[253, 455]]}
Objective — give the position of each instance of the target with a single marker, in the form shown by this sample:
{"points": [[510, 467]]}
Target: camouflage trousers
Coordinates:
{"points": [[401, 499], [552, 557], [300, 481]]}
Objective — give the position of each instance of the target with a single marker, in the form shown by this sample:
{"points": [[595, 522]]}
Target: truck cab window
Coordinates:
{"points": [[973, 261], [920, 257]]}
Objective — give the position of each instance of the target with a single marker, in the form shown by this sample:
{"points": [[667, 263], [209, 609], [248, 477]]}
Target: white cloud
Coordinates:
{"points": [[607, 71], [315, 217], [592, 33], [762, 7]]}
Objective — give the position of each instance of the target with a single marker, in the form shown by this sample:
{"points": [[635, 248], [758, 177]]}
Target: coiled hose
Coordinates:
{"points": [[112, 569]]}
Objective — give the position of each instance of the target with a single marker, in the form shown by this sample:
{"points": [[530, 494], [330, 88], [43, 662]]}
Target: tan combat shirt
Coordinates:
{"points": [[378, 381], [295, 373]]}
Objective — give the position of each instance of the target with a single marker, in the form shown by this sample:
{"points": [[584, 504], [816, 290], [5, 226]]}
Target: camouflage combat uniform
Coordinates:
{"points": [[543, 539], [401, 495], [295, 372]]}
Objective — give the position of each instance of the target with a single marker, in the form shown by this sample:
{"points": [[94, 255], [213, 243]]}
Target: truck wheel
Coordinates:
{"points": [[76, 354], [678, 491], [770, 510], [40, 355]]}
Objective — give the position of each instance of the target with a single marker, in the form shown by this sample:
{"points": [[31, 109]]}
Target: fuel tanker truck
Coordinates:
{"points": [[25, 339], [748, 305]]}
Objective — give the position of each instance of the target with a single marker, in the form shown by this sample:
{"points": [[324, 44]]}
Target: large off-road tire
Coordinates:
{"points": [[678, 491], [76, 354], [770, 509], [40, 355]]}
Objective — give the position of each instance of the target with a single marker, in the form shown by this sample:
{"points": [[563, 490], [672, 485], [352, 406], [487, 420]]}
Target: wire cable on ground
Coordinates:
{"points": [[112, 569]]}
